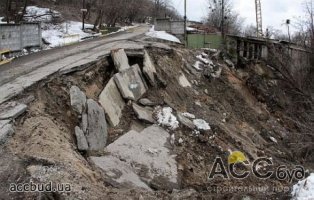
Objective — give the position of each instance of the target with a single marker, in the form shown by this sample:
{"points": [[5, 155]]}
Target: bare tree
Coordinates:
{"points": [[232, 21]]}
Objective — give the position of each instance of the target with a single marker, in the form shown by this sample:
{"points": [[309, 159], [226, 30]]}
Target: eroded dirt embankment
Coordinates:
{"points": [[248, 109]]}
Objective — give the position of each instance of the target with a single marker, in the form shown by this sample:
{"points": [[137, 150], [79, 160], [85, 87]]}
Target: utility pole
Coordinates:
{"points": [[288, 25], [223, 19], [83, 15], [185, 31]]}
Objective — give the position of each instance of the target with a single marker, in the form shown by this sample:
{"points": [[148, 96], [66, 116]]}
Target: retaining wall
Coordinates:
{"points": [[16, 37]]}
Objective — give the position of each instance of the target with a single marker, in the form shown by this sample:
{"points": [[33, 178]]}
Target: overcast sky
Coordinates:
{"points": [[275, 12]]}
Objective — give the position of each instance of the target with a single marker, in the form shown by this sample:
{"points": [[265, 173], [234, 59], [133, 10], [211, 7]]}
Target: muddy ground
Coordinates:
{"points": [[245, 108]]}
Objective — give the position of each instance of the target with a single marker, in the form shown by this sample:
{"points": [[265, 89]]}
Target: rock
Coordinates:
{"points": [[84, 123], [131, 83], [229, 63], [78, 99], [5, 132], [4, 122], [120, 59], [183, 81], [12, 110], [143, 113], [185, 121], [81, 139], [147, 102], [143, 154], [206, 91], [149, 70], [97, 126], [112, 102], [119, 171]]}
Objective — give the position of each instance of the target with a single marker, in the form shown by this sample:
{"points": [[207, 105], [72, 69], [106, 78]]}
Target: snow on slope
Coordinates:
{"points": [[304, 190], [64, 33], [162, 35]]}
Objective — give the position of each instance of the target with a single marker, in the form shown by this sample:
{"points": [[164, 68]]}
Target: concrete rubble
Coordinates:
{"points": [[4, 122], [183, 81], [5, 132], [78, 99], [120, 59], [97, 126], [12, 110], [131, 83], [81, 139], [147, 102], [140, 154], [112, 102], [185, 121], [144, 114], [149, 69]]}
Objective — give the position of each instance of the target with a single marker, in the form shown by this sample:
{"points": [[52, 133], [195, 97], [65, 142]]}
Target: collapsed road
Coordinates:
{"points": [[136, 119]]}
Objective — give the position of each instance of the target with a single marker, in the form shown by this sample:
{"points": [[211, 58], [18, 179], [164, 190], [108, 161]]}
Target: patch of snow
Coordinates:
{"points": [[34, 13], [197, 66], [65, 33], [166, 118], [304, 190], [180, 141], [198, 103], [191, 29], [2, 22], [162, 35], [204, 60], [273, 139], [201, 124], [188, 115]]}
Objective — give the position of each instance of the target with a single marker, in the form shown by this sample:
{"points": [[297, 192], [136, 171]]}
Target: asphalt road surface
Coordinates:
{"points": [[29, 63]]}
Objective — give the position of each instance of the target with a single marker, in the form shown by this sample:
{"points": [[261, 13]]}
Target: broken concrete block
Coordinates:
{"points": [[185, 121], [183, 81], [144, 155], [131, 83], [119, 172], [81, 139], [112, 102], [84, 123], [229, 63], [5, 132], [120, 59], [97, 126], [143, 114], [12, 110], [78, 99], [149, 69], [146, 102], [4, 122]]}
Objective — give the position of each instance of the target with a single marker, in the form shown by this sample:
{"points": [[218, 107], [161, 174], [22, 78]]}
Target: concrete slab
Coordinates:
{"points": [[81, 139], [148, 153], [185, 121], [11, 110], [131, 83], [5, 132], [149, 69], [78, 99], [147, 102], [183, 81], [4, 122], [143, 114], [120, 59], [119, 172], [97, 126], [112, 102]]}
